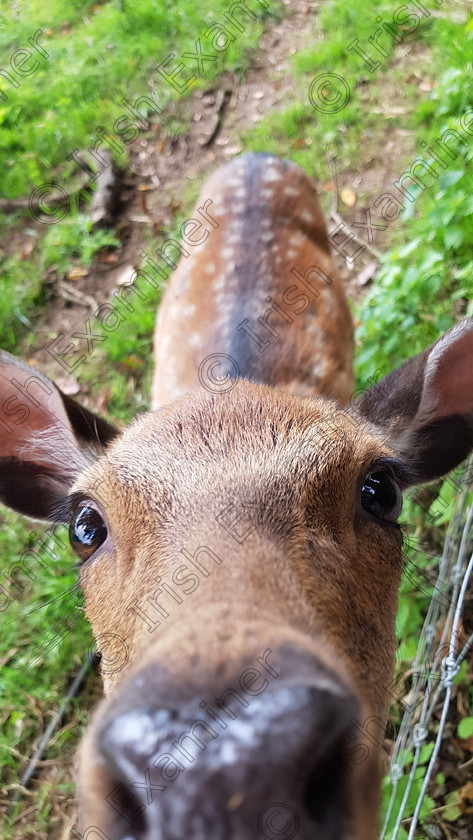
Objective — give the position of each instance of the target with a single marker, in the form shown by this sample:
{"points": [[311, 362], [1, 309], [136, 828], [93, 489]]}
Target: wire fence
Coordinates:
{"points": [[435, 667]]}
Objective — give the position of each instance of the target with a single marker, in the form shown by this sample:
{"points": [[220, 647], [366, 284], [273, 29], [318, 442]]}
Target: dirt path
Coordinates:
{"points": [[162, 168]]}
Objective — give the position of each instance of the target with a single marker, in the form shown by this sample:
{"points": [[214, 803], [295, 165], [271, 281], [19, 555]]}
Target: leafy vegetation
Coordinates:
{"points": [[424, 284]]}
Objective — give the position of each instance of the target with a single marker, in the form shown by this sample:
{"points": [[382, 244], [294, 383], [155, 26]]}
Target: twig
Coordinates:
{"points": [[9, 205], [333, 175], [224, 96], [105, 195], [335, 215], [25, 813], [52, 726], [73, 295], [338, 219]]}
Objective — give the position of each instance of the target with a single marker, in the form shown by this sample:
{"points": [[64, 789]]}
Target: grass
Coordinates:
{"points": [[108, 52], [45, 639], [424, 282], [310, 125]]}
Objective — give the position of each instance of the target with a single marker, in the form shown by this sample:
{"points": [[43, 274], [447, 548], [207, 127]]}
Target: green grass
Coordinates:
{"points": [[425, 280], [98, 55], [44, 634], [108, 53], [308, 134]]}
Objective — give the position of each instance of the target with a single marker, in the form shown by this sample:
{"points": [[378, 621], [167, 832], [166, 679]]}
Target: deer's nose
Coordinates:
{"points": [[267, 766]]}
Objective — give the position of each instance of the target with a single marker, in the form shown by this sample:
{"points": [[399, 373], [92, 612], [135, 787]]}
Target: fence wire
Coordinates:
{"points": [[436, 664]]}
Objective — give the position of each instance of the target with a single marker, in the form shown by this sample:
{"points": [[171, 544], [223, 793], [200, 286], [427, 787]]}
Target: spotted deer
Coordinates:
{"points": [[239, 547]]}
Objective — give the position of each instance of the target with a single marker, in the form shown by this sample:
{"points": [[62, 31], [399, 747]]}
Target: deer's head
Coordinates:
{"points": [[245, 548]]}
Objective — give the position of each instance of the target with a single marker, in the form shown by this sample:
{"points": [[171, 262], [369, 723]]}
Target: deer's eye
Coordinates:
{"points": [[87, 531], [381, 496]]}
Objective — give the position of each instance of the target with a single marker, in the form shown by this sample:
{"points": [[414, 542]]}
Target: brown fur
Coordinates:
{"points": [[331, 581], [316, 568], [269, 224]]}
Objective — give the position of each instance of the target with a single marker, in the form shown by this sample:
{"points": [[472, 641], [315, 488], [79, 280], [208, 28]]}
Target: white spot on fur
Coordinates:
{"points": [[218, 209], [319, 370], [271, 174], [306, 217], [188, 310]]}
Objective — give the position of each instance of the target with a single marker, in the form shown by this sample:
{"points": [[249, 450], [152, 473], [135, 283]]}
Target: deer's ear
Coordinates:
{"points": [[425, 407], [46, 440]]}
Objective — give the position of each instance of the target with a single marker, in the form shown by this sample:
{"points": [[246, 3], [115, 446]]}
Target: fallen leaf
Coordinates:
{"points": [[466, 792], [125, 275], [426, 86], [27, 249], [77, 273], [467, 744], [132, 362], [348, 196], [230, 151], [300, 143]]}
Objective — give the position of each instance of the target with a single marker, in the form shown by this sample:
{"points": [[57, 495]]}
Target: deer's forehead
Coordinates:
{"points": [[209, 448]]}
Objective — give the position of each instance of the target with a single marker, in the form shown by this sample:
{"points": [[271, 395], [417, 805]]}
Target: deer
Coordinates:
{"points": [[240, 541]]}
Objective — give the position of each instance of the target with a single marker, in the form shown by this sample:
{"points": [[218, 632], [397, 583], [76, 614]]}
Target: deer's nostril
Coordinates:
{"points": [[326, 794]]}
